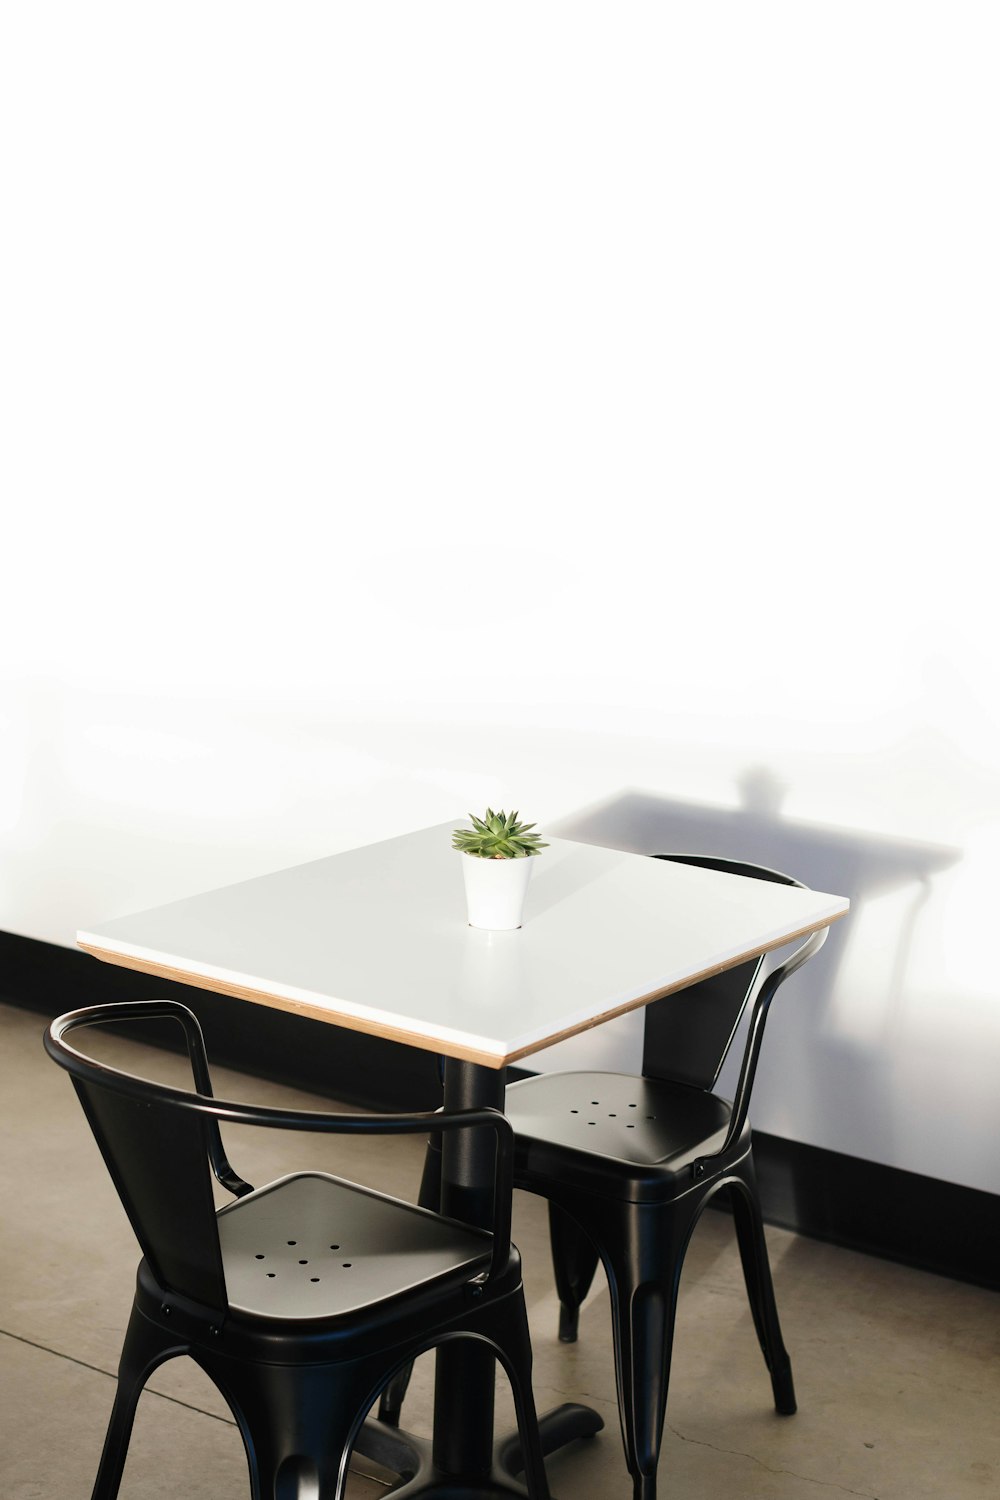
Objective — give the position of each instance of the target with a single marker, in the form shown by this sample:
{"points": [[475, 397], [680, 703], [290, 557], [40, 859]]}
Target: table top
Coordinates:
{"points": [[376, 939]]}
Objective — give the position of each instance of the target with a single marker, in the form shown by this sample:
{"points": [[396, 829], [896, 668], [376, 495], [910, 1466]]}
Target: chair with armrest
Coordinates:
{"points": [[302, 1298], [628, 1164]]}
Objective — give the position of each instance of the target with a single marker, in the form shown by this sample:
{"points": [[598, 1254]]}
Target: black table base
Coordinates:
{"points": [[463, 1462], [412, 1457]]}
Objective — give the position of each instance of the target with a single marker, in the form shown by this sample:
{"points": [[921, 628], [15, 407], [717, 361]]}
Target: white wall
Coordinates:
{"points": [[586, 407]]}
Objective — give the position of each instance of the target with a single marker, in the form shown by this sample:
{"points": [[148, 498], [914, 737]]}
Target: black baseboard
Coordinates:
{"points": [[902, 1216]]}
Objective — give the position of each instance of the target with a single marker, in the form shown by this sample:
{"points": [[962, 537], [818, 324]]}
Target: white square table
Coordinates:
{"points": [[376, 939]]}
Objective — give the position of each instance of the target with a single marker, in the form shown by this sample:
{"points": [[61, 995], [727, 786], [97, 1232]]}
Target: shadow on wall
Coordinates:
{"points": [[818, 1082]]}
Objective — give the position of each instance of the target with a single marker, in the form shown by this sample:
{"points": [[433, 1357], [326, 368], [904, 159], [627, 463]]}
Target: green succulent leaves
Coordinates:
{"points": [[497, 836]]}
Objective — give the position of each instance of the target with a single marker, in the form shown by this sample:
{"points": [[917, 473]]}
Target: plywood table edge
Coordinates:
{"points": [[417, 1038], [672, 989], [297, 1007]]}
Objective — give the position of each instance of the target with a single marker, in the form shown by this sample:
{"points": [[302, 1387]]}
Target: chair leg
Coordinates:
{"points": [[298, 1423], [644, 1252], [574, 1261], [643, 1329], [145, 1347], [760, 1288], [390, 1402], [513, 1341]]}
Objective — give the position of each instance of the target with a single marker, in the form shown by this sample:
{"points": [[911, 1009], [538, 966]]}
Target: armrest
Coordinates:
{"points": [[204, 1102], [172, 1010]]}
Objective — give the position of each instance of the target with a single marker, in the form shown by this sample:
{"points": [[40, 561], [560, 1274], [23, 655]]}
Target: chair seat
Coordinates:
{"points": [[313, 1246], [613, 1133]]}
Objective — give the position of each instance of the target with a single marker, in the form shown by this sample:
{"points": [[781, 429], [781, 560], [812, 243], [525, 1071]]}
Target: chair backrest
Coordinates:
{"points": [[161, 1145], [688, 1034], [158, 1158]]}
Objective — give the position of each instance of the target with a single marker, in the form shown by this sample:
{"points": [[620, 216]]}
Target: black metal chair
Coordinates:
{"points": [[628, 1165], [301, 1299]]}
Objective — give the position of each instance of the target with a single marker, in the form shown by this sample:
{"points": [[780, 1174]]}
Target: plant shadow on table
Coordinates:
{"points": [[823, 1051]]}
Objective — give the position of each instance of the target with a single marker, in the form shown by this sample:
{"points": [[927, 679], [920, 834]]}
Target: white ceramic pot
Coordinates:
{"points": [[495, 890]]}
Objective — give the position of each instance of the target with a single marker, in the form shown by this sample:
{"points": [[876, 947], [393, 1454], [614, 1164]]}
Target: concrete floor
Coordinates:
{"points": [[897, 1372]]}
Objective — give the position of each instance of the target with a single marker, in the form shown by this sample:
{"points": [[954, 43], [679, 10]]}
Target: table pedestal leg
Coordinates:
{"points": [[412, 1458], [463, 1462]]}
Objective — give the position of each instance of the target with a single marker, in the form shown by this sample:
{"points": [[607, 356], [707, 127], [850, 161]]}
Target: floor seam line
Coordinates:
{"points": [[110, 1375], [770, 1468], [96, 1369]]}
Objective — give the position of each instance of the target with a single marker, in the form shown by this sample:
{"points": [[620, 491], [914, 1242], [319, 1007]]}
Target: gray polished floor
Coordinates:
{"points": [[897, 1372]]}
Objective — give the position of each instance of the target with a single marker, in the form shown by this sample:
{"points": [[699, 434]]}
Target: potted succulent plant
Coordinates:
{"points": [[497, 866]]}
